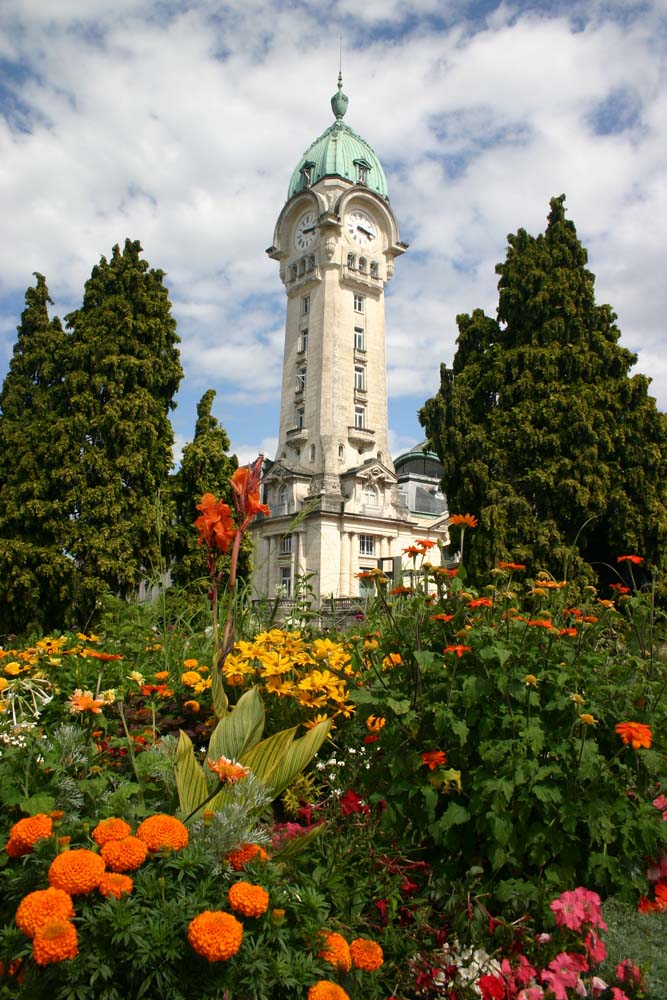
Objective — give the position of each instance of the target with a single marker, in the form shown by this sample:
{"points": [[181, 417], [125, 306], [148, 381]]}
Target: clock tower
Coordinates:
{"points": [[336, 240]]}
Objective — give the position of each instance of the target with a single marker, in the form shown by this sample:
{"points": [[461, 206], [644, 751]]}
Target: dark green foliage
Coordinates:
{"points": [[86, 445], [541, 430], [35, 571], [205, 468]]}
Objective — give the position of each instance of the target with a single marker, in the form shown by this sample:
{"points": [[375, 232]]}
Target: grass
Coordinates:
{"points": [[641, 937]]}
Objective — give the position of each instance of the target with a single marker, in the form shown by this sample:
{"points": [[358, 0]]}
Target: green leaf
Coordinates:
{"points": [[218, 693], [277, 760], [41, 802], [460, 729], [190, 779], [297, 844], [238, 730], [454, 815]]}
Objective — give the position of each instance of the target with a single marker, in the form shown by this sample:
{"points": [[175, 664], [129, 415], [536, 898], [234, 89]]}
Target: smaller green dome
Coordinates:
{"points": [[339, 152]]}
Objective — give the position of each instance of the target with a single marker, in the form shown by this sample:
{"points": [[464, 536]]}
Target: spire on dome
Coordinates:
{"points": [[339, 101]]}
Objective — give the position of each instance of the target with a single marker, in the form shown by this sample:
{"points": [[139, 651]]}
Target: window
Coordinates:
{"points": [[292, 272], [360, 378], [359, 339], [305, 305], [302, 267], [303, 342], [307, 174], [351, 260], [283, 498], [366, 545], [285, 545], [362, 265], [362, 171], [313, 452], [358, 303], [310, 262], [374, 269], [360, 416], [300, 417], [286, 580], [341, 452], [370, 495], [300, 379]]}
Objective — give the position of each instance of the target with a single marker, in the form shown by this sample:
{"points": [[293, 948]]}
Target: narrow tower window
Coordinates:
{"points": [[303, 342], [358, 303], [359, 342], [360, 378], [301, 379], [305, 305], [360, 416], [374, 269]]}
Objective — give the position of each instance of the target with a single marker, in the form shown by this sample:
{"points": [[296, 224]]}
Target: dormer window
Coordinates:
{"points": [[307, 174], [362, 167]]}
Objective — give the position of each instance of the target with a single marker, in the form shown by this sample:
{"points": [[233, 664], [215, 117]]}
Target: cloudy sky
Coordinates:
{"points": [[179, 122]]}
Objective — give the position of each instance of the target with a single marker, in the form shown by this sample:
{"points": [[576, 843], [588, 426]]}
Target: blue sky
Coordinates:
{"points": [[179, 124]]}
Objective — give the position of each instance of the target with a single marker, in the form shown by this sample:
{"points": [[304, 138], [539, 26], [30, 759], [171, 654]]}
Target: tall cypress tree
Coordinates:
{"points": [[540, 427], [205, 468], [123, 374], [37, 575]]}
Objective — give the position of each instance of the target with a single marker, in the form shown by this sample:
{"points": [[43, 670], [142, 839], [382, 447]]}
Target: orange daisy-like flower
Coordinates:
{"points": [[77, 872], [442, 618], [239, 858], [464, 520], [335, 950], [110, 829], [124, 855], [515, 567], [228, 770], [326, 990], [162, 831], [215, 935], [635, 734], [433, 758], [54, 942], [481, 602], [37, 908], [24, 834], [83, 701], [459, 650], [248, 900], [635, 560], [105, 657], [112, 884], [366, 954]]}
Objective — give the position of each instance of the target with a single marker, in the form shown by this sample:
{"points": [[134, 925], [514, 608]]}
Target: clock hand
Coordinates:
{"points": [[365, 232], [311, 229]]}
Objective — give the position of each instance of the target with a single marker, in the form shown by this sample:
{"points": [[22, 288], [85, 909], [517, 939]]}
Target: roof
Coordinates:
{"points": [[337, 153]]}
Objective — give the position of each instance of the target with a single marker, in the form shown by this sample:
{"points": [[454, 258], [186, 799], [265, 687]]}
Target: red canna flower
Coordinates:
{"points": [[215, 525], [245, 483]]}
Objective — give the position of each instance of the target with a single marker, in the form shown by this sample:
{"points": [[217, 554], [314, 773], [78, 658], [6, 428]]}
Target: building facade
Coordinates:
{"points": [[336, 506]]}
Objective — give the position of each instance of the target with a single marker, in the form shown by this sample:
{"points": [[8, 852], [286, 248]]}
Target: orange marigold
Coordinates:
{"points": [[335, 950], [55, 941], [326, 990], [366, 954], [635, 734], [248, 900], [115, 885], [76, 872], [110, 829], [38, 907], [215, 935], [162, 831], [124, 855], [24, 834], [239, 858]]}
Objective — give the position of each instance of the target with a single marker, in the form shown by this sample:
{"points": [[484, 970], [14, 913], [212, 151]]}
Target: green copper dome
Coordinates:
{"points": [[339, 152]]}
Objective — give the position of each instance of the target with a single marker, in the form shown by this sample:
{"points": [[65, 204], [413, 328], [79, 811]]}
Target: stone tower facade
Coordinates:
{"points": [[332, 489]]}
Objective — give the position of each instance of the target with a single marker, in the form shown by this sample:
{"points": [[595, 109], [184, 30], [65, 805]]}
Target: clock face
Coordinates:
{"points": [[361, 228], [305, 233]]}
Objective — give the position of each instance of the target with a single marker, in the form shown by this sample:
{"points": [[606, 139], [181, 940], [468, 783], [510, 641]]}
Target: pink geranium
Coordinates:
{"points": [[572, 909], [617, 994], [595, 947], [531, 993], [598, 986]]}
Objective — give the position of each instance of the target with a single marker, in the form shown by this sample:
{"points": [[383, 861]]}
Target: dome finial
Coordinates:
{"points": [[339, 101]]}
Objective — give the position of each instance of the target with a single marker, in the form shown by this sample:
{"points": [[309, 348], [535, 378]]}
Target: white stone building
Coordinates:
{"points": [[336, 507]]}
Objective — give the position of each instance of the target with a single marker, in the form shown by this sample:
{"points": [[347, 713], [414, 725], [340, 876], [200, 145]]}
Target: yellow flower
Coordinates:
{"points": [[190, 678], [577, 699], [375, 723], [4, 683], [530, 680], [588, 720], [136, 677], [108, 696], [190, 664], [13, 668]]}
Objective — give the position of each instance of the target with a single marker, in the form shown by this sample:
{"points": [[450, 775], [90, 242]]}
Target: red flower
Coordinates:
{"points": [[352, 803], [433, 758], [245, 483], [635, 560], [619, 588], [481, 602], [491, 987], [459, 650], [511, 565]]}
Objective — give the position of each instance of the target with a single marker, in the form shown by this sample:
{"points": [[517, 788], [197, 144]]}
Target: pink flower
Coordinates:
{"points": [[617, 994], [531, 993], [563, 973], [579, 906], [595, 947], [518, 975], [657, 870], [628, 972], [598, 986]]}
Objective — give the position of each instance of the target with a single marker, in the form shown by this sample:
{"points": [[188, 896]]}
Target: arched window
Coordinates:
{"points": [[362, 265], [351, 260], [341, 452], [283, 500], [374, 269], [370, 495]]}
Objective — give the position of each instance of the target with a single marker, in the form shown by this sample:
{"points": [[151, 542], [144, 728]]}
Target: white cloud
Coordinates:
{"points": [[180, 126]]}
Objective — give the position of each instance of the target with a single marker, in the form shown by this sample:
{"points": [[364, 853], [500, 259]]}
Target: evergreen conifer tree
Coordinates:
{"points": [[541, 429], [124, 371], [205, 468], [37, 573]]}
